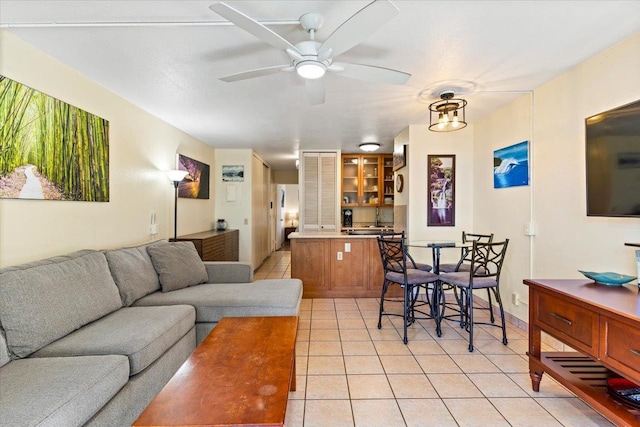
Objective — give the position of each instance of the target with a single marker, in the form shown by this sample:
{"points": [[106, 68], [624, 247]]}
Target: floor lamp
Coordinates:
{"points": [[175, 176]]}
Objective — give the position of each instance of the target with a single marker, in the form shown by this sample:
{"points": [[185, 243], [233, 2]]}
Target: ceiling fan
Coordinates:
{"points": [[312, 59]]}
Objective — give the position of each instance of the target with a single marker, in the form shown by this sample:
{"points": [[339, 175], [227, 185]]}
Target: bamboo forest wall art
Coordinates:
{"points": [[511, 166], [196, 184], [441, 182], [49, 149]]}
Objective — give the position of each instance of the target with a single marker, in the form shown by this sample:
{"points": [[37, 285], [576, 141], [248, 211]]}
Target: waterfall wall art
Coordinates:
{"points": [[511, 166], [441, 182], [50, 150]]}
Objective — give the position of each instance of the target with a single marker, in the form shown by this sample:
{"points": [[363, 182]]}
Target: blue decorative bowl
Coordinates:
{"points": [[608, 278]]}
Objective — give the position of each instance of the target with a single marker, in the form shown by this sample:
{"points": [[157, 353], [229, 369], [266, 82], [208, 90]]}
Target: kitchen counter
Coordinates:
{"points": [[336, 265], [351, 232]]}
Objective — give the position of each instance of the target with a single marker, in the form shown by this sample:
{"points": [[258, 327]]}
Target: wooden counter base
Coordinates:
{"points": [[240, 374], [358, 274]]}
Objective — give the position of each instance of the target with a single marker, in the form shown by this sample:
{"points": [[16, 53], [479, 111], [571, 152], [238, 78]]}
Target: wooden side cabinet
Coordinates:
{"points": [[215, 245], [603, 324]]}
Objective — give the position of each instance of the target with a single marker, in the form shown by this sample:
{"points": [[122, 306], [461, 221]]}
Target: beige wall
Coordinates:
{"points": [[141, 147], [233, 199], [566, 240], [423, 143], [504, 211], [285, 177], [552, 119]]}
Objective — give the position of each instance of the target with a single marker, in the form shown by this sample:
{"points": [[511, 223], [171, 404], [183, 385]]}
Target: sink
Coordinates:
{"points": [[370, 231]]}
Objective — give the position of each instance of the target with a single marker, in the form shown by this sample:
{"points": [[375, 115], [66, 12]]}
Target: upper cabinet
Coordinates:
{"points": [[367, 180], [387, 180]]}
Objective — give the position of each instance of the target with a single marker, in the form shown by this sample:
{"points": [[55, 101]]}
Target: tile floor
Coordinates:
{"points": [[350, 373]]}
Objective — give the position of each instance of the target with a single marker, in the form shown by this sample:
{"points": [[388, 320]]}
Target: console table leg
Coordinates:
{"points": [[536, 377]]}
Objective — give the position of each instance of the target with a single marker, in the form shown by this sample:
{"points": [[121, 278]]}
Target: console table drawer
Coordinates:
{"points": [[621, 346], [571, 323]]}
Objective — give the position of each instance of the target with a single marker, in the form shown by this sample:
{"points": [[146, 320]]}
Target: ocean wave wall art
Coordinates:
{"points": [[511, 166]]}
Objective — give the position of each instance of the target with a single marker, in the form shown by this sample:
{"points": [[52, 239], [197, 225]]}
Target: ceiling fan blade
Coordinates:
{"points": [[259, 72], [370, 73], [251, 26], [315, 91], [360, 26]]}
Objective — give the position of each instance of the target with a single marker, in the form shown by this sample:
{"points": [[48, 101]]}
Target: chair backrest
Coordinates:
{"points": [[487, 258], [465, 255], [482, 238], [399, 235], [393, 253]]}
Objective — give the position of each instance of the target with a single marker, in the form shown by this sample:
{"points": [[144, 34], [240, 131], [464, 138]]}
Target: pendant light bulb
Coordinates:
{"points": [[455, 122]]}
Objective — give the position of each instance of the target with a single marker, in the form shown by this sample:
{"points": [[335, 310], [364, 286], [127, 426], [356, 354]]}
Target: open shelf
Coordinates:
{"points": [[588, 380]]}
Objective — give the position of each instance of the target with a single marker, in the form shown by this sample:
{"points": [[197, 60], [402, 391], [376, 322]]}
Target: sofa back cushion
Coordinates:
{"points": [[43, 301], [133, 272], [178, 265]]}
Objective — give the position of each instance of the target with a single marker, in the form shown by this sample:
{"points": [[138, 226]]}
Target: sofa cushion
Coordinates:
{"points": [[178, 265], [133, 272], [4, 351], [142, 334], [274, 297], [43, 301], [60, 391]]}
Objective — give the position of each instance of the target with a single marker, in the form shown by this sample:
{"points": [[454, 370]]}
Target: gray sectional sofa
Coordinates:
{"points": [[91, 337]]}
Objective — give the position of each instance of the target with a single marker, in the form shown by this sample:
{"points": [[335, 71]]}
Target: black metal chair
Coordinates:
{"points": [[484, 273], [464, 264], [400, 235], [398, 270]]}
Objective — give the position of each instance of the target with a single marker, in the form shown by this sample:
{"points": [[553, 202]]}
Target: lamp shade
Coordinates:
{"points": [[291, 216], [310, 69], [176, 175], [369, 146]]}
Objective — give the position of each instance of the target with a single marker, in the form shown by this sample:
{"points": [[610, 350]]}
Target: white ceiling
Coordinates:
{"points": [[488, 51]]}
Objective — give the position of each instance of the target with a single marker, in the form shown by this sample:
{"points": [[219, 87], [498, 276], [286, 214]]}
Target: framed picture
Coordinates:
{"points": [[442, 185], [196, 184], [50, 150], [400, 158], [232, 173], [511, 166]]}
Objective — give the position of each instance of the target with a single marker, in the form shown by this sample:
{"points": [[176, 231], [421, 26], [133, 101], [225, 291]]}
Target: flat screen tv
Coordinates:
{"points": [[613, 162]]}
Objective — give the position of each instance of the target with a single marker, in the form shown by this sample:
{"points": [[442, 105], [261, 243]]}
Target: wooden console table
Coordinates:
{"points": [[287, 231], [215, 245], [239, 375], [603, 324]]}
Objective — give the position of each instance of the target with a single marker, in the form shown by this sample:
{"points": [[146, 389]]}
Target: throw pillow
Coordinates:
{"points": [[133, 272], [178, 265]]}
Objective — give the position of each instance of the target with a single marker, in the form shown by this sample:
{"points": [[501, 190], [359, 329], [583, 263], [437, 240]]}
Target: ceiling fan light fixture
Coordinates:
{"points": [[369, 146], [439, 119], [310, 69]]}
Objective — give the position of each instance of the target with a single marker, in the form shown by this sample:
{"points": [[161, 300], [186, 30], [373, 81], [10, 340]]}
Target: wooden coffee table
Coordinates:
{"points": [[240, 374]]}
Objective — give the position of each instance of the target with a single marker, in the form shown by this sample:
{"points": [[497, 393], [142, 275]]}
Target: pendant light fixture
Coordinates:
{"points": [[448, 114]]}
